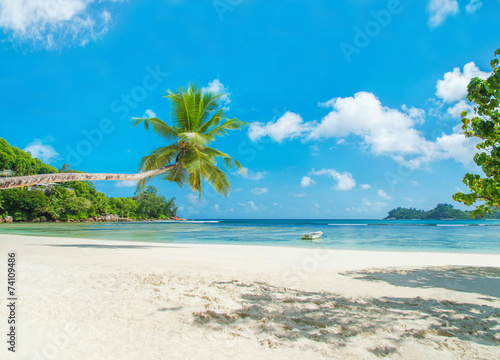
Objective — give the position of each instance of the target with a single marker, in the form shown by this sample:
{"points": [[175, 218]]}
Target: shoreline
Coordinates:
{"points": [[126, 299]]}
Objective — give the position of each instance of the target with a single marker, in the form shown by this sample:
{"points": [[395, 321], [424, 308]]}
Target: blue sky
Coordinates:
{"points": [[353, 106]]}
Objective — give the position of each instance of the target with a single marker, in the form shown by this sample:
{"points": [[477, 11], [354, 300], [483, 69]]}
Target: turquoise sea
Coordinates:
{"points": [[395, 235]]}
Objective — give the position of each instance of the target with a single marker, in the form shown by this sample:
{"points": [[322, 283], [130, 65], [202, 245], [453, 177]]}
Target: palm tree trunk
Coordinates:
{"points": [[20, 181]]}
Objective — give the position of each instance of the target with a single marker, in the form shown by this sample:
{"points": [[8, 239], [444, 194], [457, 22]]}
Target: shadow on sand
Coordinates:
{"points": [[279, 315], [480, 280]]}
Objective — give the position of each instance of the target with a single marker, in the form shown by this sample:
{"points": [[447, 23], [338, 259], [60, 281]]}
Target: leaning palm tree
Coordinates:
{"points": [[197, 121]]}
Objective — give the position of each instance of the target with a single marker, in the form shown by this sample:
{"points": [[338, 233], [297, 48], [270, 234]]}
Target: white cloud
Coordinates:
{"points": [[216, 207], [307, 181], [381, 193], [46, 153], [439, 10], [345, 181], [194, 199], [217, 87], [453, 87], [55, 23], [256, 176], [126, 184], [250, 205], [383, 130], [299, 195], [259, 191], [463, 105], [473, 6], [149, 114], [365, 186], [368, 206], [457, 147], [288, 126]]}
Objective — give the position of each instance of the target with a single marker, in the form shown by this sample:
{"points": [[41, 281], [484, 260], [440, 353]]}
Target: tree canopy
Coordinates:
{"points": [[484, 124]]}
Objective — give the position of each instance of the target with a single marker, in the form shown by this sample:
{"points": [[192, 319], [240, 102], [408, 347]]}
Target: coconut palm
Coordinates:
{"points": [[197, 121]]}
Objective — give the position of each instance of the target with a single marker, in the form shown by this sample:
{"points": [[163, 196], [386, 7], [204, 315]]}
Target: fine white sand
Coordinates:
{"points": [[92, 299]]}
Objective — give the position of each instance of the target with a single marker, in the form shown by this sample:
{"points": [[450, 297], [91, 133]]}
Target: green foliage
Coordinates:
{"points": [[440, 212], [73, 200], [22, 204], [12, 158], [150, 205], [198, 121], [484, 125]]}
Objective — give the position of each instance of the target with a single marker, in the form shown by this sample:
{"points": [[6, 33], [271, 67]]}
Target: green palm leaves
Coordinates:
{"points": [[197, 122]]}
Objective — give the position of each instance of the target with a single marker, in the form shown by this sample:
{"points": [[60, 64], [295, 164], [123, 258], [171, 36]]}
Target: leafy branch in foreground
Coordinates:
{"points": [[484, 125]]}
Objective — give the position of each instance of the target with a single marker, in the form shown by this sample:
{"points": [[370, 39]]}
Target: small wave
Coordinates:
{"points": [[192, 221], [348, 224], [447, 225]]}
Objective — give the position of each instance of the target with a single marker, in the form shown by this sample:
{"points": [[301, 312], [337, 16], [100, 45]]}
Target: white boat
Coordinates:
{"points": [[312, 236]]}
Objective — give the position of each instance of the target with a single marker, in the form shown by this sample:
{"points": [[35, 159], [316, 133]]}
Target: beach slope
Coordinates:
{"points": [[93, 299]]}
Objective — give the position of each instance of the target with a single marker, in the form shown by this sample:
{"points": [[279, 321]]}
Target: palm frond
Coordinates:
{"points": [[233, 124], [196, 138], [217, 178], [228, 161], [159, 158], [159, 127], [178, 175], [213, 121]]}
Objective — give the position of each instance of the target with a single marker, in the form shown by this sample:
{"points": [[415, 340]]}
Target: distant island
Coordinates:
{"points": [[440, 212]]}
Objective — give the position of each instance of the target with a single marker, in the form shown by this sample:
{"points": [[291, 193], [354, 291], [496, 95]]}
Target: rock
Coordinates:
{"points": [[8, 219], [176, 218], [90, 219]]}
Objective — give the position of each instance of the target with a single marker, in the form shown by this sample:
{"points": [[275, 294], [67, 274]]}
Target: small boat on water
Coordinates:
{"points": [[312, 236]]}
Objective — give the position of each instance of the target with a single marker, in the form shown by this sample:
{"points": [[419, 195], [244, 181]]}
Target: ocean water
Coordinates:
{"points": [[472, 236]]}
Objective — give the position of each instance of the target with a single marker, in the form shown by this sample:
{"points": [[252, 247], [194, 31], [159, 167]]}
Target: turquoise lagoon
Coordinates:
{"points": [[471, 236]]}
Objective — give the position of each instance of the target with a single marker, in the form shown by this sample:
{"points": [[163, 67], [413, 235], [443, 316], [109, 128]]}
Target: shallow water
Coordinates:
{"points": [[396, 235]]}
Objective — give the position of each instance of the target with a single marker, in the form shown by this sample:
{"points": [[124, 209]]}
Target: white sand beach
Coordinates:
{"points": [[92, 299]]}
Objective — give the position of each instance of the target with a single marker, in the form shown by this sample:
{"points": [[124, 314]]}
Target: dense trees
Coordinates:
{"points": [[74, 200], [484, 124], [65, 203], [12, 158], [440, 212]]}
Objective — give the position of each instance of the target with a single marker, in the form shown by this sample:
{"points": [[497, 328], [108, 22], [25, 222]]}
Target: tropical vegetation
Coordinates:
{"points": [[440, 212], [484, 124], [198, 120], [75, 200]]}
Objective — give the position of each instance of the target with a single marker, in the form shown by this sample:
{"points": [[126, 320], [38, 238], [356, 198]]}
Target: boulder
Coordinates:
{"points": [[8, 219], [90, 219]]}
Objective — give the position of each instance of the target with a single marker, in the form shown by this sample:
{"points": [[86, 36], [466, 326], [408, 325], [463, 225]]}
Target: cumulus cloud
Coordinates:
{"points": [[473, 6], [381, 193], [344, 180], [217, 87], [439, 10], [368, 206], [256, 176], [463, 105], [365, 186], [149, 114], [249, 206], [46, 153], [383, 130], [55, 23], [453, 87], [288, 126], [259, 191], [126, 184], [307, 181]]}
